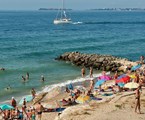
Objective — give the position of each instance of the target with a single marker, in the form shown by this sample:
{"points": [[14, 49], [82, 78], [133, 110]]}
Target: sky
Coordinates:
{"points": [[73, 4]]}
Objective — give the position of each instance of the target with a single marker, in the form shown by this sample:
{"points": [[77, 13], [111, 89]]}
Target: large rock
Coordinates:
{"points": [[97, 61]]}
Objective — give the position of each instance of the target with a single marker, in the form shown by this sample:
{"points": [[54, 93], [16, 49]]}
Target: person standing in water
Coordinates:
{"points": [[91, 72], [42, 78], [33, 93], [23, 78], [27, 76], [91, 85], [83, 72]]}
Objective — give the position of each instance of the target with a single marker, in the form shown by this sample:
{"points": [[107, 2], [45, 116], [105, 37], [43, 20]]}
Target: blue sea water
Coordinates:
{"points": [[29, 42]]}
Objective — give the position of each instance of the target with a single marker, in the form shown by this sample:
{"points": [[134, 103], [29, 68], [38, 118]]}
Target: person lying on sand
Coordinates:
{"points": [[65, 102]]}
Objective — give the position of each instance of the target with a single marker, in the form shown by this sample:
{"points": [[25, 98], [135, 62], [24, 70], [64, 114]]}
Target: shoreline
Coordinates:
{"points": [[50, 94]]}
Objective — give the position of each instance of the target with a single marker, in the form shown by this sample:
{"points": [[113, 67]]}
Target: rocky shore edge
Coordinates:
{"points": [[97, 61]]}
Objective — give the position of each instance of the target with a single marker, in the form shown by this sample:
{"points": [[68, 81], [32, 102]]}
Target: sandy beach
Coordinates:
{"points": [[107, 105]]}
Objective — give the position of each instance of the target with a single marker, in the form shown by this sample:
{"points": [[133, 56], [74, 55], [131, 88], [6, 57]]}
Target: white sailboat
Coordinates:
{"points": [[63, 17]]}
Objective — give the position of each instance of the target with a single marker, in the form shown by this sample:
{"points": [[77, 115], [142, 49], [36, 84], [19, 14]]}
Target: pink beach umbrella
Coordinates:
{"points": [[105, 77]]}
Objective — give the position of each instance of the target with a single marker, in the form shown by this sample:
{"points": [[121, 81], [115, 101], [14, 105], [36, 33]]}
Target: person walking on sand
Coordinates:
{"points": [[39, 109], [27, 76], [137, 98], [91, 72], [83, 72]]}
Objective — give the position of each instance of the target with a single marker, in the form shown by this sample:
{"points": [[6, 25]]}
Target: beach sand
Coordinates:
{"points": [[119, 106]]}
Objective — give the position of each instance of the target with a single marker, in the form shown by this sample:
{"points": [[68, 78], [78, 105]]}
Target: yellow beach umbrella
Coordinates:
{"points": [[132, 76], [131, 85], [83, 99]]}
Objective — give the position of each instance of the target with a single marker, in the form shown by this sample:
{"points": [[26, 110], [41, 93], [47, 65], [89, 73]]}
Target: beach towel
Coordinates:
{"points": [[95, 98], [53, 109], [107, 94]]}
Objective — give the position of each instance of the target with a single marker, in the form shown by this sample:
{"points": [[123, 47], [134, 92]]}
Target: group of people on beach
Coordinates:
{"points": [[30, 113], [23, 112]]}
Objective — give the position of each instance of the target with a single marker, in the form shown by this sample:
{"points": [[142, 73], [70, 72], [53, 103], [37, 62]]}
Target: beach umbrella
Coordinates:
{"points": [[28, 98], [121, 84], [131, 85], [132, 76], [105, 77], [121, 76], [123, 79], [136, 67], [83, 99], [98, 83], [6, 107], [70, 87]]}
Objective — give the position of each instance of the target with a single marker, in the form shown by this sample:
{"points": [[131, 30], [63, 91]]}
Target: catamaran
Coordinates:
{"points": [[62, 19]]}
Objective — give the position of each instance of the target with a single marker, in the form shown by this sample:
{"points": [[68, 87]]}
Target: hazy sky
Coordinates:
{"points": [[74, 4]]}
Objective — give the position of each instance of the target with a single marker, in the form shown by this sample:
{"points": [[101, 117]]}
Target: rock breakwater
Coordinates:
{"points": [[97, 61]]}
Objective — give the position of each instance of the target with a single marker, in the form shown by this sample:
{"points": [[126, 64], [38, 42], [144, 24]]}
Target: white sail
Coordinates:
{"points": [[63, 17]]}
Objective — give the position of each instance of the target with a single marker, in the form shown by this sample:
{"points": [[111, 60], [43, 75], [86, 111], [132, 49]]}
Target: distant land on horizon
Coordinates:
{"points": [[106, 9], [52, 9]]}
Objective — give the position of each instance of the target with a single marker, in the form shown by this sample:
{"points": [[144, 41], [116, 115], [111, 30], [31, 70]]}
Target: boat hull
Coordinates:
{"points": [[62, 22]]}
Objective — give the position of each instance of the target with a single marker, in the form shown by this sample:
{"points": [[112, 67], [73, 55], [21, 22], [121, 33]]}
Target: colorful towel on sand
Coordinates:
{"points": [[95, 98], [107, 94], [54, 109]]}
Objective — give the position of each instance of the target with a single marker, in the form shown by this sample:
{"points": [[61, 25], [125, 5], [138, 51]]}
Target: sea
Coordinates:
{"points": [[30, 42]]}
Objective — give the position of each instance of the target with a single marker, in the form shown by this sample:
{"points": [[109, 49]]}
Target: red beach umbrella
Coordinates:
{"points": [[125, 79]]}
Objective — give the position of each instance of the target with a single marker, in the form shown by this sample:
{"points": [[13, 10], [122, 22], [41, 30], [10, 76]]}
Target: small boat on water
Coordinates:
{"points": [[61, 17]]}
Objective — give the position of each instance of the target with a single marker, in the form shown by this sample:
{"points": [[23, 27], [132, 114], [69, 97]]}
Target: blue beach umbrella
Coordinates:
{"points": [[121, 84], [6, 107], [28, 98], [121, 76], [136, 67], [99, 82]]}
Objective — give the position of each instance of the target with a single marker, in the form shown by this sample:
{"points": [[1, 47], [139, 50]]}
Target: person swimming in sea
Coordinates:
{"points": [[23, 79], [8, 88], [42, 78], [2, 69]]}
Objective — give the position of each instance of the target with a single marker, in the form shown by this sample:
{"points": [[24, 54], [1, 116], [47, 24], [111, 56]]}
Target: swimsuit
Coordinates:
{"points": [[39, 113]]}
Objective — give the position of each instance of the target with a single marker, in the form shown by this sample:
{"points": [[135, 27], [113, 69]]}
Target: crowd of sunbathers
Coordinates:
{"points": [[30, 113]]}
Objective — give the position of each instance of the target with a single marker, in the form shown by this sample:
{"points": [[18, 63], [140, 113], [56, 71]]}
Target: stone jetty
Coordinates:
{"points": [[97, 61]]}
